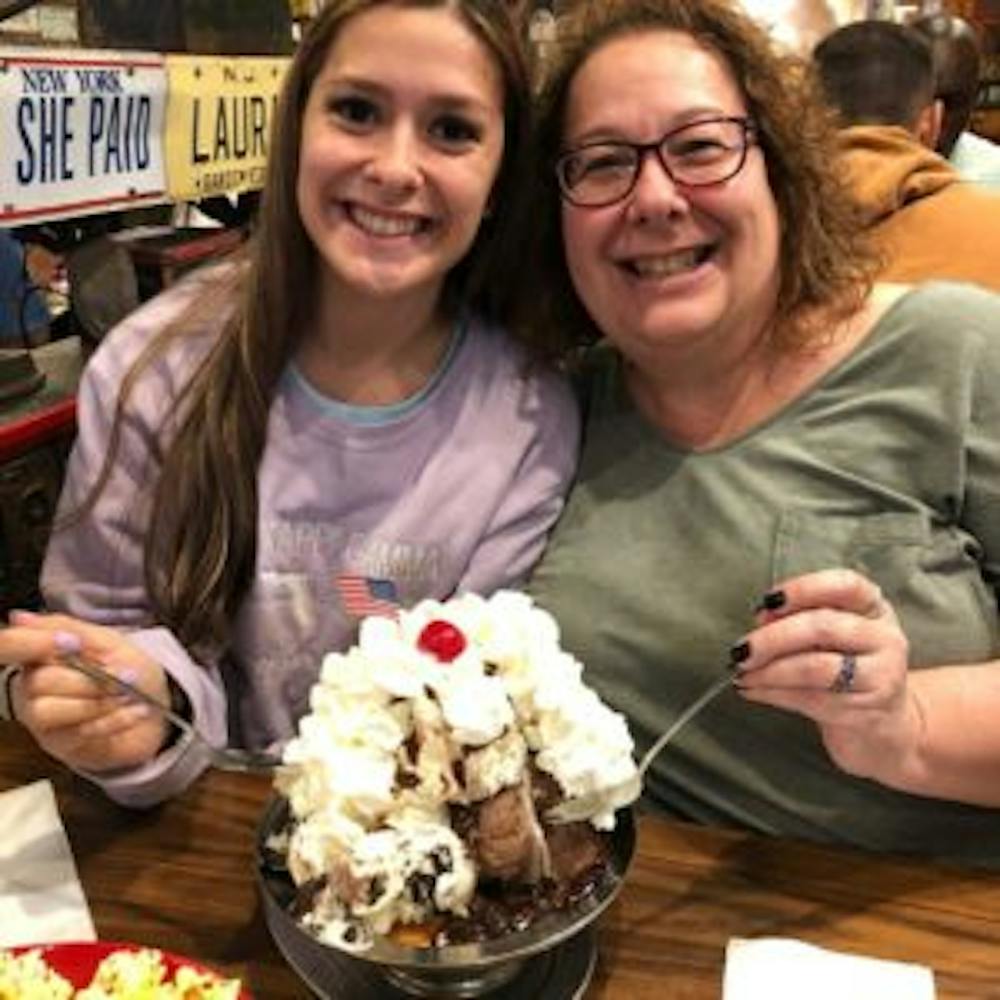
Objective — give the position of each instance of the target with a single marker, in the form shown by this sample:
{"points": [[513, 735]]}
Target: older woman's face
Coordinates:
{"points": [[669, 267]]}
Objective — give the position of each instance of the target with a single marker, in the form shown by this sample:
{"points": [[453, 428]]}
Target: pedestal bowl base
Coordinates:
{"points": [[561, 973]]}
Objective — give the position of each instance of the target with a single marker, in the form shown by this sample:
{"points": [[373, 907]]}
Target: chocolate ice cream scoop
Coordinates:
{"points": [[574, 848], [509, 842]]}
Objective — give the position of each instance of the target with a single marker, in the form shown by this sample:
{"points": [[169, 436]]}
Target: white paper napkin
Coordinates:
{"points": [[41, 899], [786, 969]]}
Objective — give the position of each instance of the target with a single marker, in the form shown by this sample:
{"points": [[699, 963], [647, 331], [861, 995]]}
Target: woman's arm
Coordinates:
{"points": [[956, 752], [93, 577], [830, 647]]}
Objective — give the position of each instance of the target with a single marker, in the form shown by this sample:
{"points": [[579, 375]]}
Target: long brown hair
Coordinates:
{"points": [[825, 259], [200, 548]]}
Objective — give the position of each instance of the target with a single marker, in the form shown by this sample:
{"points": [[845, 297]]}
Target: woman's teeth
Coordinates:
{"points": [[384, 225], [675, 263]]}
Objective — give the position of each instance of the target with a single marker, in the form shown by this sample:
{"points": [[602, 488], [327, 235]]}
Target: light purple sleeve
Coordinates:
{"points": [[521, 522], [94, 566]]}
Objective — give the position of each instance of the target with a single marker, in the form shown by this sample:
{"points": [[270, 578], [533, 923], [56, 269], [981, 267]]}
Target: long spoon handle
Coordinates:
{"points": [[711, 692]]}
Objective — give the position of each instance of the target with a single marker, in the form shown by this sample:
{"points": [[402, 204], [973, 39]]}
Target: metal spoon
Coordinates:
{"points": [[570, 810], [709, 694], [223, 758]]}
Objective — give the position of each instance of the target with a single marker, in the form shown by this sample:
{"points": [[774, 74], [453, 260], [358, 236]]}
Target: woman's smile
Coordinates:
{"points": [[667, 265], [384, 224]]}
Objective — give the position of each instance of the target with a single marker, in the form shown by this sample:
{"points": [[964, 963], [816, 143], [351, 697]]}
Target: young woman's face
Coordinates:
{"points": [[402, 140], [668, 265]]}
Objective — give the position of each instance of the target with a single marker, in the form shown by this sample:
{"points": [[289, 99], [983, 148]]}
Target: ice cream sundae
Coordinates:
{"points": [[421, 784]]}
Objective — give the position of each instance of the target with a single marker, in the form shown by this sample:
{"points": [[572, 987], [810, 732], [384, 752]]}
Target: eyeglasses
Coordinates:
{"points": [[696, 155]]}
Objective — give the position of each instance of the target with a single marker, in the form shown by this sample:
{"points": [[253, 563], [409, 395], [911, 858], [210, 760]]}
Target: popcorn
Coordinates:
{"points": [[121, 975], [27, 977]]}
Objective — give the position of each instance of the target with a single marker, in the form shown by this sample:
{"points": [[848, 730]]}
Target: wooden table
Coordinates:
{"points": [[180, 877]]}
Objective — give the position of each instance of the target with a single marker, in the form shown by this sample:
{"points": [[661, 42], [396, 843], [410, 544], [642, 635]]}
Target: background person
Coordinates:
{"points": [[333, 426], [879, 77], [957, 66], [24, 315], [786, 472]]}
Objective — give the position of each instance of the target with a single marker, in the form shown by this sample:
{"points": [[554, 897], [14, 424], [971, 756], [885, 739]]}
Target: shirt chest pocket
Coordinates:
{"points": [[884, 547]]}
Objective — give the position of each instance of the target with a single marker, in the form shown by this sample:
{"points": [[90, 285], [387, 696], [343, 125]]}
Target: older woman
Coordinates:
{"points": [[787, 473]]}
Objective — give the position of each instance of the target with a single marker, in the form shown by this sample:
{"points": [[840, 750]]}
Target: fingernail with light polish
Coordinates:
{"points": [[67, 642], [127, 674]]}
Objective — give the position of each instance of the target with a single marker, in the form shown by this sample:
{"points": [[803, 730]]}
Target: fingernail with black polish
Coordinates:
{"points": [[772, 600], [738, 653]]}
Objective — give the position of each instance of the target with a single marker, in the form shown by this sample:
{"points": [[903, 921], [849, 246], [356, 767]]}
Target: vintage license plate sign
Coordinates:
{"points": [[81, 132], [219, 122]]}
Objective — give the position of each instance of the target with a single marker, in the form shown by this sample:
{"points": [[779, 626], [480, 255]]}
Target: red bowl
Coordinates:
{"points": [[77, 961]]}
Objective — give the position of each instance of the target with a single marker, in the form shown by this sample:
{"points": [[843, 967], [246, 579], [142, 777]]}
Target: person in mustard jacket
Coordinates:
{"points": [[925, 219]]}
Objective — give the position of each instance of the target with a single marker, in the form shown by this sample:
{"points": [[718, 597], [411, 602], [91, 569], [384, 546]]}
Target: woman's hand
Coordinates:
{"points": [[72, 717], [829, 646]]}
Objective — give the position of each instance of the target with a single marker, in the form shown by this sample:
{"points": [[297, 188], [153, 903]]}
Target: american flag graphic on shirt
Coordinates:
{"points": [[363, 596]]}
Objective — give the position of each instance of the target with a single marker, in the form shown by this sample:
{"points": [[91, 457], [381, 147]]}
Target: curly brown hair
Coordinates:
{"points": [[200, 559], [826, 261]]}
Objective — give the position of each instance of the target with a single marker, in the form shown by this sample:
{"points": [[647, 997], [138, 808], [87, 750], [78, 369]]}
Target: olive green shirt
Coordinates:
{"points": [[890, 464]]}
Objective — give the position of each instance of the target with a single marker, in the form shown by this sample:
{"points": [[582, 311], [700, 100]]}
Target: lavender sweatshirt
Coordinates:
{"points": [[458, 492]]}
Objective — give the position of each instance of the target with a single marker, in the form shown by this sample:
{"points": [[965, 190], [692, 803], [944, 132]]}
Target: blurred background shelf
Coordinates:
{"points": [[36, 431]]}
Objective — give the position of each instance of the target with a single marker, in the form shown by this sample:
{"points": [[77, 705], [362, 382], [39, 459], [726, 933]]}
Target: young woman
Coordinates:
{"points": [[787, 471], [335, 426]]}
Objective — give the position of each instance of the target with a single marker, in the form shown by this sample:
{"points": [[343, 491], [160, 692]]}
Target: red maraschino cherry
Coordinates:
{"points": [[442, 640]]}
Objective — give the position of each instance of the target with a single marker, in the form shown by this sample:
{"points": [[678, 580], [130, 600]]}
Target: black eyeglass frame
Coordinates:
{"points": [[643, 149]]}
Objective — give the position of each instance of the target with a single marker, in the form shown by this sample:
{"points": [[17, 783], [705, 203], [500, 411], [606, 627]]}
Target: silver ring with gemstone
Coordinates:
{"points": [[844, 681]]}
